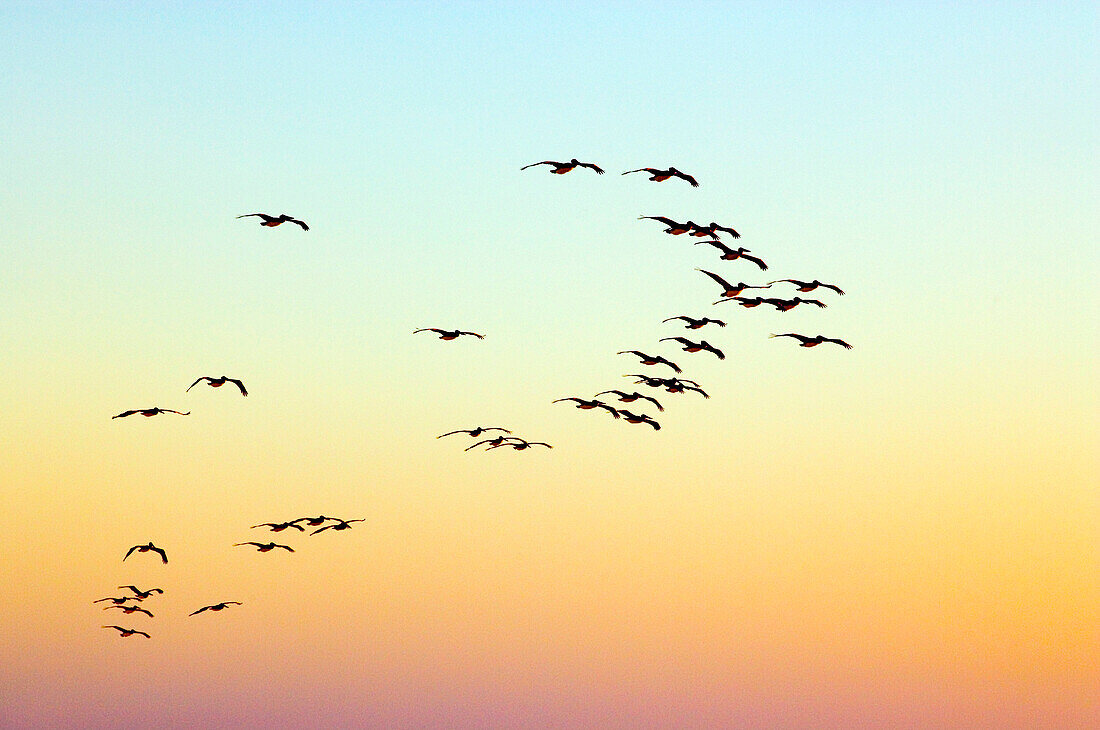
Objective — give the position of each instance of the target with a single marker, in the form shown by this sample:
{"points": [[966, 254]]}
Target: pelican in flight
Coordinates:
{"points": [[148, 547], [694, 324], [635, 418], [314, 521], [712, 229], [689, 346], [747, 302], [130, 609], [651, 359], [474, 432], [785, 305], [338, 525], [271, 221], [117, 601], [264, 547], [662, 175], [520, 444], [631, 397], [672, 385], [674, 228], [127, 632], [492, 443], [448, 334], [142, 595], [731, 254], [808, 286], [560, 168], [813, 341], [731, 290], [218, 382], [280, 526], [147, 412], [587, 405], [216, 607]]}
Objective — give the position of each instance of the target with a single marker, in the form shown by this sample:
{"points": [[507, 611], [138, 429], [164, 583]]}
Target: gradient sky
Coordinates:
{"points": [[902, 535]]}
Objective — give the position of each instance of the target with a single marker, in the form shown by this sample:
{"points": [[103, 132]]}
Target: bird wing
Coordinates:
{"points": [[758, 262], [685, 176], [428, 329], [834, 287], [199, 611], [653, 401], [683, 317], [265, 216], [301, 223], [661, 218], [590, 166], [125, 413], [189, 387], [475, 334], [730, 231], [135, 547], [721, 355], [839, 342], [641, 169], [716, 277], [239, 384], [544, 162], [163, 555], [449, 433], [286, 547], [169, 410]]}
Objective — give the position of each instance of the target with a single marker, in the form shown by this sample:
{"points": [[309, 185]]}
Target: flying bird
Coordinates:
{"points": [[142, 595], [271, 221], [493, 442], [264, 547], [117, 601], [747, 302], [731, 254], [147, 412], [148, 547], [808, 286], [474, 432], [314, 521], [730, 290], [785, 305], [448, 334], [694, 324], [216, 607], [560, 168], [587, 405], [127, 632], [520, 444], [672, 385], [674, 228], [712, 229], [651, 359], [218, 382], [813, 341], [662, 175], [631, 397], [280, 526], [130, 609], [339, 525], [689, 346], [635, 418]]}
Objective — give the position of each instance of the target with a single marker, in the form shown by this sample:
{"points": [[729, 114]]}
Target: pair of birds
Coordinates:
{"points": [[211, 381], [585, 404], [691, 227], [656, 175], [337, 524], [782, 305], [501, 441]]}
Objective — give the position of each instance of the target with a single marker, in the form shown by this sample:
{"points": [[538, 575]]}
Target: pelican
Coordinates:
{"points": [[130, 609], [690, 346], [635, 418], [694, 324], [493, 442], [448, 334], [651, 359], [586, 405], [218, 382], [117, 601], [631, 397], [142, 595], [474, 432], [520, 444], [560, 168], [785, 305], [747, 302], [808, 286], [674, 228], [147, 412], [731, 254], [216, 607], [730, 290], [813, 341], [271, 221], [264, 547], [148, 547], [314, 521], [711, 231], [339, 525], [662, 175], [280, 526], [127, 632]]}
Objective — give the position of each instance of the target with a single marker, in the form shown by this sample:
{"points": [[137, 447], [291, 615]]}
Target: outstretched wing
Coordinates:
{"points": [[834, 287], [758, 262], [544, 162], [189, 387], [429, 329], [725, 284], [839, 342], [661, 218], [642, 169], [135, 547], [125, 413], [163, 555], [204, 608], [475, 334], [301, 223], [730, 231], [590, 166], [685, 176], [265, 216]]}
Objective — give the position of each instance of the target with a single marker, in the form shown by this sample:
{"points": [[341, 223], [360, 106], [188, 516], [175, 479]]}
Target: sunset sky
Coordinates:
{"points": [[901, 535]]}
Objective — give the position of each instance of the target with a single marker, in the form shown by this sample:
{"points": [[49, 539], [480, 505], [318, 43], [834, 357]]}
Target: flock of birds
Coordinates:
{"points": [[131, 603]]}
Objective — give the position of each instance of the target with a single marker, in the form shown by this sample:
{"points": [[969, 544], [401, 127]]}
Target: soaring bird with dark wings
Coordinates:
{"points": [[218, 382], [689, 346], [806, 341], [147, 412], [279, 526], [786, 305], [339, 525], [712, 231], [131, 609], [674, 228], [694, 324], [729, 290], [731, 254], [560, 168], [264, 547], [271, 221], [127, 632], [640, 418], [662, 175], [217, 607], [146, 548], [142, 595], [448, 334], [651, 359], [808, 286], [475, 432], [631, 397]]}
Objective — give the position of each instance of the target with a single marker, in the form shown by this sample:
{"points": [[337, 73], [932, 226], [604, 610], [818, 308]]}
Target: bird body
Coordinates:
{"points": [[127, 632], [732, 254], [148, 547], [217, 607], [560, 168], [806, 341], [785, 305], [674, 228], [689, 346], [280, 526], [448, 334], [662, 175], [148, 412], [640, 418], [219, 382], [271, 221]]}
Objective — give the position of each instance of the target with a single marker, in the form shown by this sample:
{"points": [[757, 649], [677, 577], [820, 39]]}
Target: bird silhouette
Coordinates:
{"points": [[130, 609], [808, 286], [147, 412], [730, 290], [497, 441], [264, 547], [279, 526], [142, 595], [689, 346], [127, 632], [219, 382], [216, 607], [448, 334], [474, 432], [785, 305], [674, 228], [271, 221], [712, 231], [662, 175], [519, 444], [119, 600], [148, 547], [560, 168], [314, 521], [636, 418], [671, 385], [813, 341], [694, 324], [747, 302], [651, 359], [631, 397], [587, 405], [732, 254], [339, 525]]}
